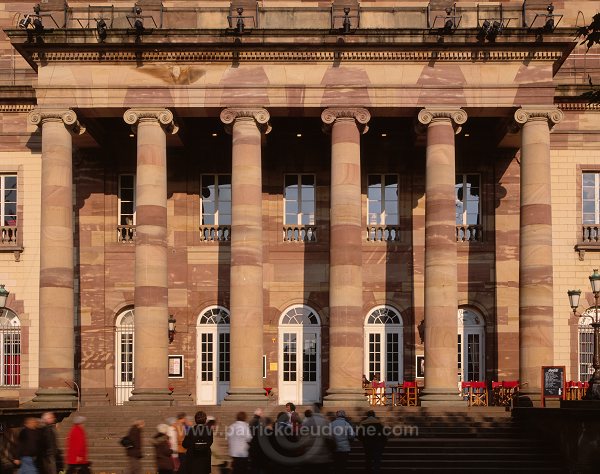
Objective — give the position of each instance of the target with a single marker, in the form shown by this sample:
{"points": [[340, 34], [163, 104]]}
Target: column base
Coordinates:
{"points": [[245, 396], [441, 397], [345, 397], [529, 398], [150, 396], [94, 397], [55, 398]]}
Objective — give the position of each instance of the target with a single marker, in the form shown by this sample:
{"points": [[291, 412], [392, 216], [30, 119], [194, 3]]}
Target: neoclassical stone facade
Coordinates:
{"points": [[309, 205]]}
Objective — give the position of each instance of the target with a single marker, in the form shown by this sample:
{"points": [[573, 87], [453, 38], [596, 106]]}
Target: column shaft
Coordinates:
{"points": [[151, 273], [246, 277], [535, 255], [441, 298], [57, 338], [346, 315]]}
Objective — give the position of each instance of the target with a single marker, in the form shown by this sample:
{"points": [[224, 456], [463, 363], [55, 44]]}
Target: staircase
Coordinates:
{"points": [[427, 440]]}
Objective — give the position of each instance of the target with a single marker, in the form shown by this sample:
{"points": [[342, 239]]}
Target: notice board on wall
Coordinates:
{"points": [[553, 382]]}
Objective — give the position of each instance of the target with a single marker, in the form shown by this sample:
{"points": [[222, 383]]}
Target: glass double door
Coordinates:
{"points": [[213, 366], [299, 365]]}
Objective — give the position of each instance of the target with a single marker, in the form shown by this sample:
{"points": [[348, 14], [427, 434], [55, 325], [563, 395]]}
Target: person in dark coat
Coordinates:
{"points": [[162, 447], [374, 439], [28, 447], [134, 452], [197, 442], [51, 461], [8, 451]]}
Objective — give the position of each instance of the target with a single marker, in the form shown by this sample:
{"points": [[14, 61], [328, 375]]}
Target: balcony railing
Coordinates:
{"points": [[215, 233], [590, 233], [8, 236], [383, 233], [126, 234], [299, 233], [469, 233]]}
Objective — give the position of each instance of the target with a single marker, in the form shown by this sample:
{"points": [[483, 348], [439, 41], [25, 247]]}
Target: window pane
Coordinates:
{"points": [[291, 207], [589, 193], [589, 218], [308, 180], [10, 182], [589, 206], [126, 194], [589, 179], [224, 193]]}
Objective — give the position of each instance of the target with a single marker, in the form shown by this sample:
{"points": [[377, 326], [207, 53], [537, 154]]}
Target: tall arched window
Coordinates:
{"points": [[124, 344], [471, 345], [10, 349], [586, 345], [384, 345]]}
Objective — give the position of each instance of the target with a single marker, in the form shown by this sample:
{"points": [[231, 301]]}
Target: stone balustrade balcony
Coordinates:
{"points": [[8, 236], [383, 233], [469, 233], [215, 233], [299, 233], [126, 234]]}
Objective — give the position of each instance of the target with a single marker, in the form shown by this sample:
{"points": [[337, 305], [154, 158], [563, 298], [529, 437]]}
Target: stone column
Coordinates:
{"points": [[246, 281], [441, 299], [57, 337], [151, 276], [346, 315], [536, 336]]}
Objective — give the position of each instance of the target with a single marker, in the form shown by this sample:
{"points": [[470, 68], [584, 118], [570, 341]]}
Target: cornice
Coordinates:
{"points": [[297, 56]]}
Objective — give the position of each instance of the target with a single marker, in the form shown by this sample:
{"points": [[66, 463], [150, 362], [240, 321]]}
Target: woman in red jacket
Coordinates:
{"points": [[77, 453]]}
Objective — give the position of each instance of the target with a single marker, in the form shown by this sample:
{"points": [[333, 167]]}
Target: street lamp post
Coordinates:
{"points": [[593, 391], [3, 296]]}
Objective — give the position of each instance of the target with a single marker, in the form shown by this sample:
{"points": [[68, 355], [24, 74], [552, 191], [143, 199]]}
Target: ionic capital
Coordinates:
{"points": [[66, 116], [259, 115], [361, 117], [551, 115], [428, 115], [164, 117]]}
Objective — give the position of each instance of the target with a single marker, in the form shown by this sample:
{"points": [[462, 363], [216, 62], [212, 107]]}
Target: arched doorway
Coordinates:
{"points": [[10, 349], [471, 345], [124, 343], [213, 352], [384, 343], [299, 356]]}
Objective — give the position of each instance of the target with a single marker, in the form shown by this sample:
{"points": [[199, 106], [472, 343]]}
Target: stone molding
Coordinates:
{"points": [[578, 106], [551, 114], [16, 107], [67, 116], [163, 116], [300, 56], [457, 117], [360, 115], [260, 116]]}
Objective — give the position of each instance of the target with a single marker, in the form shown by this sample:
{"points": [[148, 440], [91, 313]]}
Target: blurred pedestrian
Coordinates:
{"points": [[134, 452], [320, 458], [183, 425], [239, 437], [197, 443], [343, 434], [8, 450], [371, 433], [163, 451], [51, 460], [218, 458], [77, 451], [28, 446], [173, 441]]}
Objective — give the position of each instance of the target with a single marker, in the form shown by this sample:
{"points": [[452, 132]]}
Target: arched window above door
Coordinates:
{"points": [[384, 315], [301, 314], [214, 315]]}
